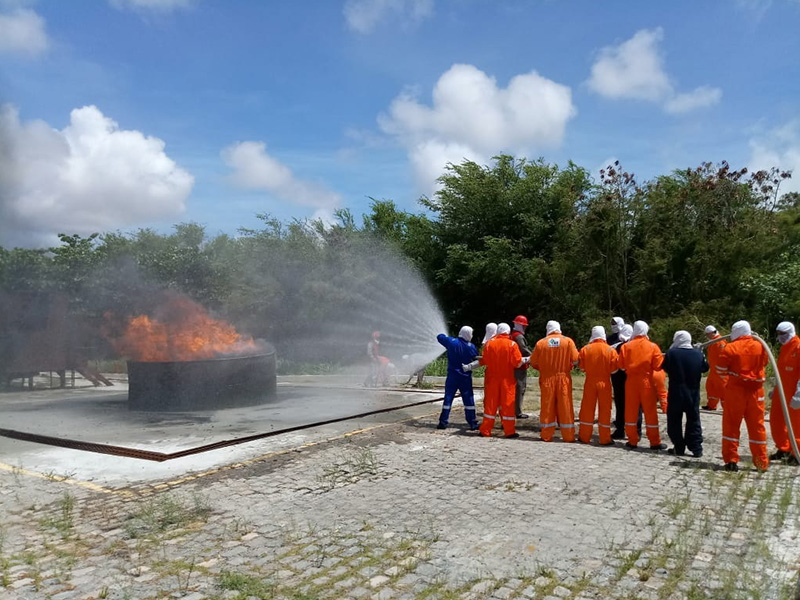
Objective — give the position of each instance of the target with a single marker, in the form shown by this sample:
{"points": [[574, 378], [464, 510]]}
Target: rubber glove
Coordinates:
{"points": [[795, 403]]}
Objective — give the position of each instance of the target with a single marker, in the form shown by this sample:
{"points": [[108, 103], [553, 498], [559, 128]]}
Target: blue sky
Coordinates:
{"points": [[119, 114]]}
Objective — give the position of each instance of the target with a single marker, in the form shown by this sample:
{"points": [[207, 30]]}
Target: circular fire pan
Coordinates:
{"points": [[211, 384]]}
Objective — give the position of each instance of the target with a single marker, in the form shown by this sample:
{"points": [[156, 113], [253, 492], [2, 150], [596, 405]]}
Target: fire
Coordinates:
{"points": [[182, 330]]}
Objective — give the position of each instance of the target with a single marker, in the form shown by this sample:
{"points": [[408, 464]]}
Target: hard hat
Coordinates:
{"points": [[710, 329], [521, 320]]}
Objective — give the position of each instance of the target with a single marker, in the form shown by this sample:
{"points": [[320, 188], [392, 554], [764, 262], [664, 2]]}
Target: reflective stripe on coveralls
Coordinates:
{"points": [[459, 352], [715, 382], [640, 357], [789, 369], [744, 360], [501, 356], [553, 356], [598, 360]]}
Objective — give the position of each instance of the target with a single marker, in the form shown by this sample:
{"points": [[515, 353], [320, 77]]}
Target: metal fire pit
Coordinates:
{"points": [[202, 384]]}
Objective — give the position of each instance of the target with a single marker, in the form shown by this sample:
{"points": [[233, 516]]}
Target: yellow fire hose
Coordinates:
{"points": [[779, 387]]}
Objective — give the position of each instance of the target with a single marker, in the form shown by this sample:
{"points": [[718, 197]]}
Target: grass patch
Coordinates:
{"points": [[63, 521], [166, 512], [349, 468], [247, 585]]}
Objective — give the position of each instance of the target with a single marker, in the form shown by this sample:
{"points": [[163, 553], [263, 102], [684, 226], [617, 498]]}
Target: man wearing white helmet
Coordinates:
{"points": [[789, 372], [743, 361], [640, 357], [460, 351], [715, 383], [615, 340], [554, 356]]}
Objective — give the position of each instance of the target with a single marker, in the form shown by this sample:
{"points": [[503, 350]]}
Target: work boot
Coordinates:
{"points": [[707, 407], [611, 443], [441, 426], [513, 436], [619, 434], [673, 452], [523, 416], [630, 446], [779, 455], [697, 453], [658, 447], [474, 427], [792, 461], [732, 467]]}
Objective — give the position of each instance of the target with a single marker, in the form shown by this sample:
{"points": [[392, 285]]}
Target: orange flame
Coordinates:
{"points": [[185, 332]]}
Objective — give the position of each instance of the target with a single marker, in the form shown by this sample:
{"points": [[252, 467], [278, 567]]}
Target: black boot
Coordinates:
{"points": [[732, 467]]}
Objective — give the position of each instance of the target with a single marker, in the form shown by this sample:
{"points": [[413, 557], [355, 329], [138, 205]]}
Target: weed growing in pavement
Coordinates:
{"points": [[349, 468], [64, 520], [784, 503], [675, 505], [157, 515], [247, 585]]}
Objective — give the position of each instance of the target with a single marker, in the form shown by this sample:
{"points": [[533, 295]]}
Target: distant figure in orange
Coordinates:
{"points": [[715, 383], [789, 372], [378, 365], [501, 356], [554, 356]]}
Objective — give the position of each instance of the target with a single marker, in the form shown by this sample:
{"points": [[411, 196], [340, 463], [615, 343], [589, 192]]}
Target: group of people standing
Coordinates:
{"points": [[628, 370]]}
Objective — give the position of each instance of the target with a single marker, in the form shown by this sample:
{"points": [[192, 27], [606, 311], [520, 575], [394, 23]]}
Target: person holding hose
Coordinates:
{"points": [[715, 383], [685, 366], [598, 360], [640, 357], [460, 351], [789, 374], [500, 356], [743, 361], [554, 356], [521, 374]]}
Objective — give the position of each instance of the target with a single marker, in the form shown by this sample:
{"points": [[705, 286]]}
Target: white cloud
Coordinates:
{"points": [[152, 5], [90, 176], [363, 16], [635, 70], [698, 98], [254, 169], [779, 148], [22, 31], [471, 117]]}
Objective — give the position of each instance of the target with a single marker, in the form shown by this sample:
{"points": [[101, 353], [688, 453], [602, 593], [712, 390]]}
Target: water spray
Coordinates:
{"points": [[779, 387]]}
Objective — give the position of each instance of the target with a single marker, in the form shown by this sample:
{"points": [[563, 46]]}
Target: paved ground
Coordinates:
{"points": [[403, 510]]}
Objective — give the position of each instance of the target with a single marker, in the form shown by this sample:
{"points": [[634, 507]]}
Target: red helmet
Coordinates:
{"points": [[521, 320]]}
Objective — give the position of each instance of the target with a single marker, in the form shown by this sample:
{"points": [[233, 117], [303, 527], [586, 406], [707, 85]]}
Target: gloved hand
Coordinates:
{"points": [[697, 346], [795, 402], [526, 360], [663, 406], [469, 366]]}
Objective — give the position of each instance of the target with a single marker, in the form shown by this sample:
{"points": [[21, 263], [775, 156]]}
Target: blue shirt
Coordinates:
{"points": [[459, 352]]}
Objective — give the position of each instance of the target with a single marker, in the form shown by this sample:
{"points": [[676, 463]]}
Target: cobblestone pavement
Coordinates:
{"points": [[407, 511]]}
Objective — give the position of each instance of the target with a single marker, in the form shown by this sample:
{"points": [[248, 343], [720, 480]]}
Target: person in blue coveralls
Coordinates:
{"points": [[460, 351]]}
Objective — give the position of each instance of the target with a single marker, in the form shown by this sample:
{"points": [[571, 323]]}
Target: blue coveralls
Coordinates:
{"points": [[459, 352], [685, 367]]}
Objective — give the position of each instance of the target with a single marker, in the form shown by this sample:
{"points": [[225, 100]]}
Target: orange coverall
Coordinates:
{"points": [[715, 383], [743, 361], [501, 356], [789, 369], [598, 360], [660, 384], [554, 356], [640, 357]]}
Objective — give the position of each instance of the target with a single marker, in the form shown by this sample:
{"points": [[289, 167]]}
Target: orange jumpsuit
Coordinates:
{"points": [[501, 356], [743, 361], [715, 383], [554, 356], [660, 384], [598, 360], [640, 357], [789, 369]]}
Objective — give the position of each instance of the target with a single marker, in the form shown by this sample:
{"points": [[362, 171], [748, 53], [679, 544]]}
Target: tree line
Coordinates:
{"points": [[709, 244]]}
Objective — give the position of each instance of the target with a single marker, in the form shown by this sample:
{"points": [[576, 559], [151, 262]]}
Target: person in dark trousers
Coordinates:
{"points": [[615, 340], [685, 366], [521, 374]]}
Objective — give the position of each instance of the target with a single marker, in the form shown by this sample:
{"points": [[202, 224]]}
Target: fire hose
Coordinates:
{"points": [[779, 387]]}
